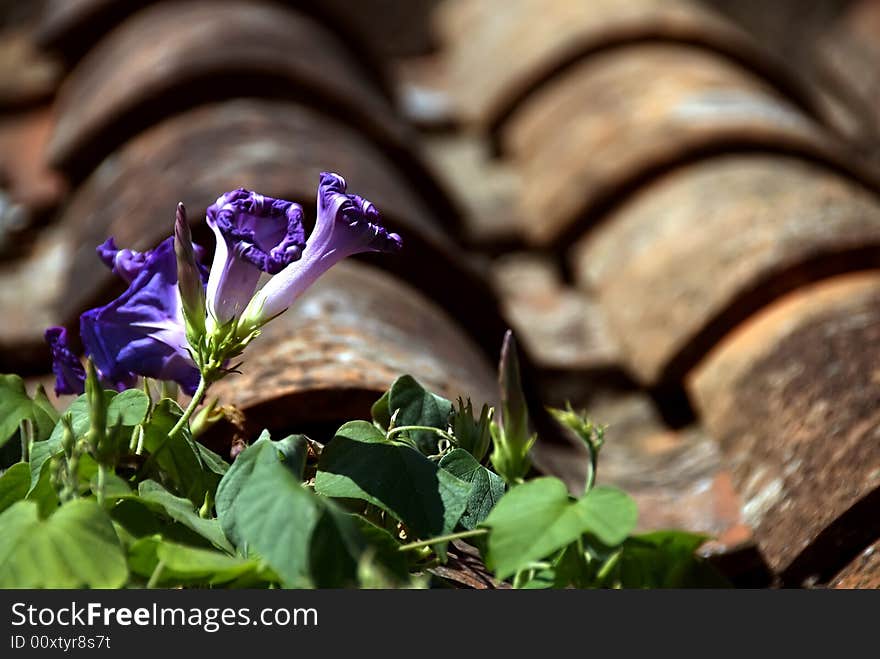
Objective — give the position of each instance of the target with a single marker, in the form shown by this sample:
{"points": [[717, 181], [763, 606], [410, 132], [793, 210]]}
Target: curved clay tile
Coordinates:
{"points": [[525, 44], [690, 256], [791, 396], [618, 119]]}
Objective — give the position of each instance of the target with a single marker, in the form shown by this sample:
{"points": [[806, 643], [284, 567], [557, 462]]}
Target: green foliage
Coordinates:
{"points": [[410, 404], [76, 547], [168, 564], [290, 450], [16, 406], [266, 510], [487, 487], [116, 492], [360, 463], [159, 500], [662, 559], [539, 517], [14, 484], [177, 462]]}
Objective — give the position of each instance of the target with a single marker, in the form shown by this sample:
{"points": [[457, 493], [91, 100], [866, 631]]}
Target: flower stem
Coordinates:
{"points": [[442, 538], [181, 423], [190, 409]]}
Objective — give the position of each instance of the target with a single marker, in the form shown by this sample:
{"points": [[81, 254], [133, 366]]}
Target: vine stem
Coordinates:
{"points": [[442, 538], [442, 433], [102, 482]]}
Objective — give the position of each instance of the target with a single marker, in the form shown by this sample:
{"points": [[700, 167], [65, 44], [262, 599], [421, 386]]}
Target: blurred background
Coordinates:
{"points": [[673, 203]]}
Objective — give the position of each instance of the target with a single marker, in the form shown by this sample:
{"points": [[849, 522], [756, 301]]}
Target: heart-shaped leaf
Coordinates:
{"points": [[158, 499], [487, 486], [360, 463], [182, 565], [292, 451], [76, 547], [16, 406], [416, 406], [305, 538], [539, 517], [14, 484]]}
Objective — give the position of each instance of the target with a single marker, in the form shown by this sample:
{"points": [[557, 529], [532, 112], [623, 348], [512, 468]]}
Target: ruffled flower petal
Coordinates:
{"points": [[254, 234], [347, 224]]}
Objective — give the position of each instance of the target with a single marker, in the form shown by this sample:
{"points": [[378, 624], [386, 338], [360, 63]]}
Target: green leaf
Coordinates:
{"points": [[76, 547], [214, 463], [181, 510], [14, 484], [291, 450], [487, 487], [114, 486], [16, 406], [380, 412], [359, 463], [610, 513], [138, 519], [415, 406], [43, 492], [45, 415], [537, 518], [191, 566], [664, 559], [79, 412], [179, 460], [384, 550], [305, 538], [128, 408]]}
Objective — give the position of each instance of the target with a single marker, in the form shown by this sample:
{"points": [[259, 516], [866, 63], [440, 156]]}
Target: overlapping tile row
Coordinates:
{"points": [[613, 122], [525, 45], [181, 101], [376, 28], [689, 182], [832, 41], [697, 251], [169, 57]]}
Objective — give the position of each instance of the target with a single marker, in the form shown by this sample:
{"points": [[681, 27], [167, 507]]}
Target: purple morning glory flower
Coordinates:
{"points": [[254, 234], [142, 332], [70, 376], [347, 224]]}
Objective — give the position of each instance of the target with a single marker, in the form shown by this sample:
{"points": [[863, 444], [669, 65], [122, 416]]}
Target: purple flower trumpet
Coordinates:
{"points": [[255, 234], [347, 224]]}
